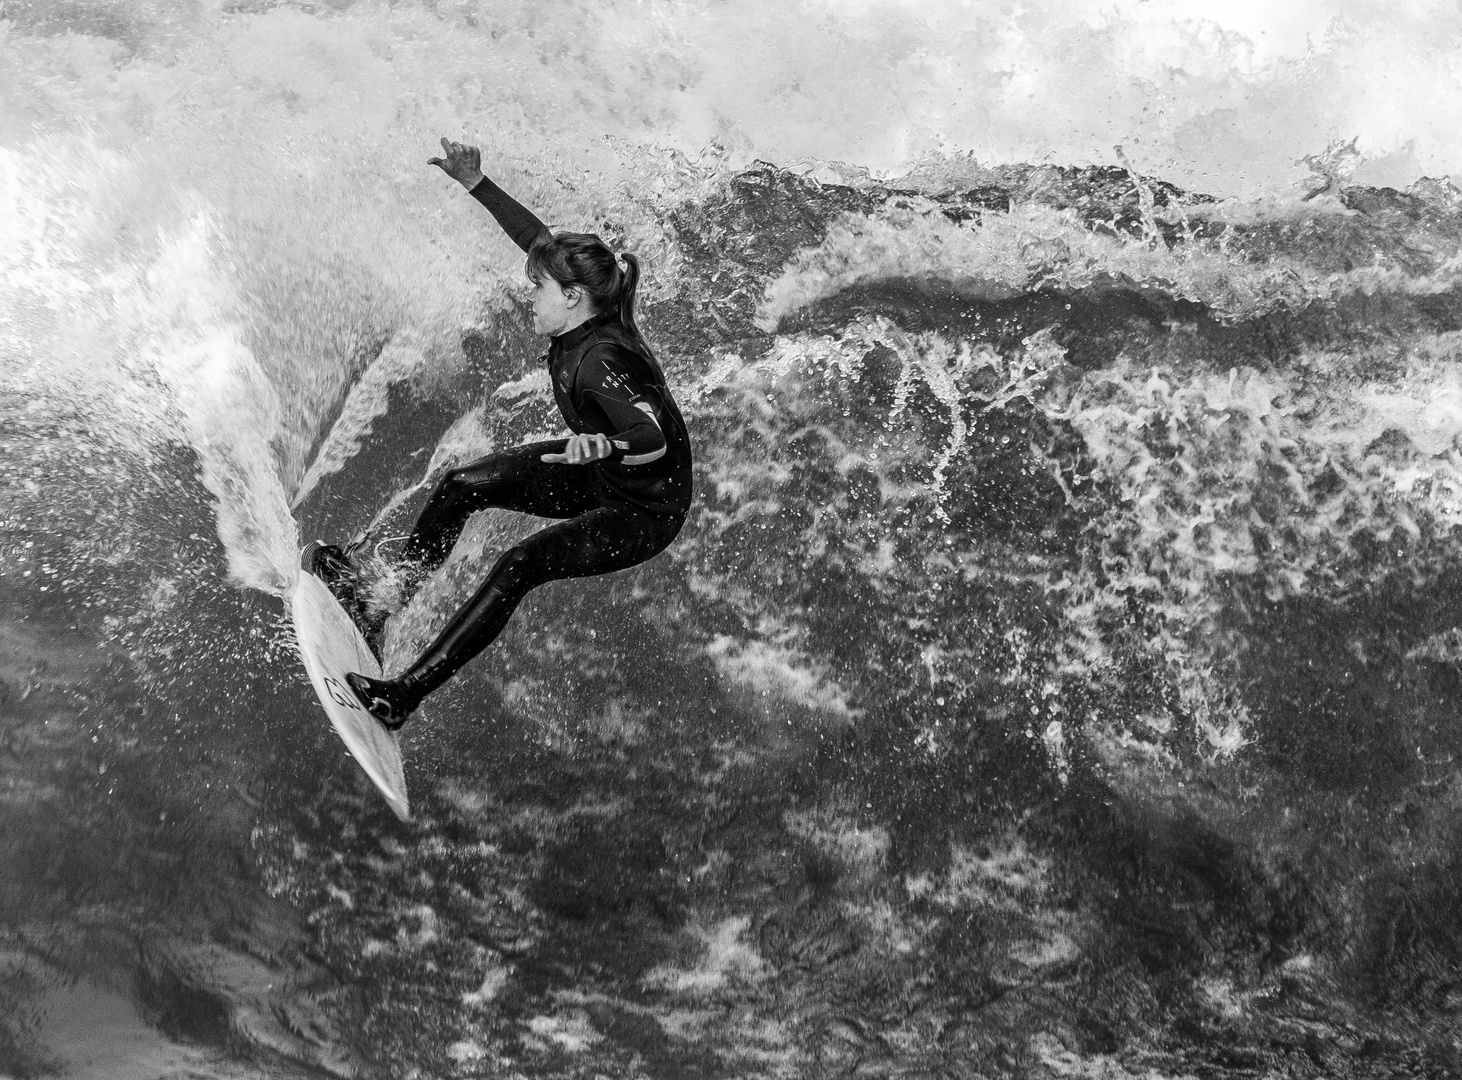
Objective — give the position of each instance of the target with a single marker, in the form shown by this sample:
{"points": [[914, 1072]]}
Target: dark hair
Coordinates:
{"points": [[584, 260]]}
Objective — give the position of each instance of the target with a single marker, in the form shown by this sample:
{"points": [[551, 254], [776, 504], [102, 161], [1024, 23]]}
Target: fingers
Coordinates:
{"points": [[566, 458], [455, 149], [453, 152], [580, 450], [574, 453]]}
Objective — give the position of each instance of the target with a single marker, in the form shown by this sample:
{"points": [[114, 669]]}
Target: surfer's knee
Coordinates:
{"points": [[478, 483], [516, 568], [453, 484], [522, 568]]}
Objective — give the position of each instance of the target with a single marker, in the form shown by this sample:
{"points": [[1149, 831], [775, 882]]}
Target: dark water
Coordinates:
{"points": [[1056, 677]]}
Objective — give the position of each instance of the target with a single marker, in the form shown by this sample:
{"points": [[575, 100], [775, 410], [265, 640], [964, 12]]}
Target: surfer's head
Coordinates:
{"points": [[586, 272]]}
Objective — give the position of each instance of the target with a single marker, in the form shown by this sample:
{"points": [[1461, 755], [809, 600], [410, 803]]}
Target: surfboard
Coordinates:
{"points": [[331, 645]]}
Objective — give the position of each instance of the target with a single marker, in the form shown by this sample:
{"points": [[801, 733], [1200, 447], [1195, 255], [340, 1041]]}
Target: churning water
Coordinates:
{"points": [[1057, 675]]}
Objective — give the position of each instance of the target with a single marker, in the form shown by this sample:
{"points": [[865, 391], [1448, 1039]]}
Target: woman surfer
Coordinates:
{"points": [[619, 487]]}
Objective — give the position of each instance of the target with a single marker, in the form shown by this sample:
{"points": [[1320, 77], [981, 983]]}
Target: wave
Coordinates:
{"points": [[1066, 613]]}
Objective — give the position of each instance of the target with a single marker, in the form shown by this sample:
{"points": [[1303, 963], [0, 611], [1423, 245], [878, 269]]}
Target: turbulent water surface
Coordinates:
{"points": [[1057, 675]]}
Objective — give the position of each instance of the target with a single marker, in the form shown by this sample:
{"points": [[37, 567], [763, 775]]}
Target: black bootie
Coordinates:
{"points": [[341, 576], [391, 701]]}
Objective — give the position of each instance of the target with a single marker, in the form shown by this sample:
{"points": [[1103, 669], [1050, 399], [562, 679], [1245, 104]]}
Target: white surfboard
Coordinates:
{"points": [[331, 645]]}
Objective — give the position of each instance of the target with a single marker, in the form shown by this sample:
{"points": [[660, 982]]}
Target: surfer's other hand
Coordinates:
{"points": [[463, 163], [580, 450]]}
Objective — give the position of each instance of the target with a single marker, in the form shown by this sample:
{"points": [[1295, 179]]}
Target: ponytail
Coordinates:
{"points": [[628, 283]]}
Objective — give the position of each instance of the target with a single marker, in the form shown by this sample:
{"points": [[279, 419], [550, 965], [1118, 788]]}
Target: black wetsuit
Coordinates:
{"points": [[614, 513]]}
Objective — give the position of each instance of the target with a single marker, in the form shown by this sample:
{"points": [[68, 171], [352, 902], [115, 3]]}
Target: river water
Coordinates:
{"points": [[1057, 675]]}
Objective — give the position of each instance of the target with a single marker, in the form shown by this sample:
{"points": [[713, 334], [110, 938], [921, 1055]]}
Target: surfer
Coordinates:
{"points": [[619, 486]]}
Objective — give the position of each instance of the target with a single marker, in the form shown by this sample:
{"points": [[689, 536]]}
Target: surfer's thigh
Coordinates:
{"points": [[601, 541], [519, 479]]}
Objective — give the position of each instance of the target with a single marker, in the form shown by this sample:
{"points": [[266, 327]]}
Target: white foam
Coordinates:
{"points": [[211, 219]]}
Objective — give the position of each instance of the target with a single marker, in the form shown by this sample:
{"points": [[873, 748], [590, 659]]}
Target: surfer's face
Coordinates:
{"points": [[556, 309]]}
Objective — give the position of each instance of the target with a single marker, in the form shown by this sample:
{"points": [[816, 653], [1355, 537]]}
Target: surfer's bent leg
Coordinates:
{"points": [[605, 539], [515, 479]]}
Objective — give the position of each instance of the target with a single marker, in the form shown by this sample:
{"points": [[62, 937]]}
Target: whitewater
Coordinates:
{"points": [[1056, 675]]}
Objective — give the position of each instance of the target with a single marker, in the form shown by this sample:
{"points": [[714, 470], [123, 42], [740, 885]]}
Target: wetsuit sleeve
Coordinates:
{"points": [[606, 385], [520, 223]]}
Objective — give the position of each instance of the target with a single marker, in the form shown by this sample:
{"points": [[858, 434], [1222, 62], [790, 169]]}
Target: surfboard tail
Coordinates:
{"points": [[331, 645]]}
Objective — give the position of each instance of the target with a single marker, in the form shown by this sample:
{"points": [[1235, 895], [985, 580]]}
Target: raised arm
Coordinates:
{"points": [[464, 164]]}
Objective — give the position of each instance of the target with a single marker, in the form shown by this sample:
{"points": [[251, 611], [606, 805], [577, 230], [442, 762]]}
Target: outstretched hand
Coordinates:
{"points": [[463, 163], [580, 450]]}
